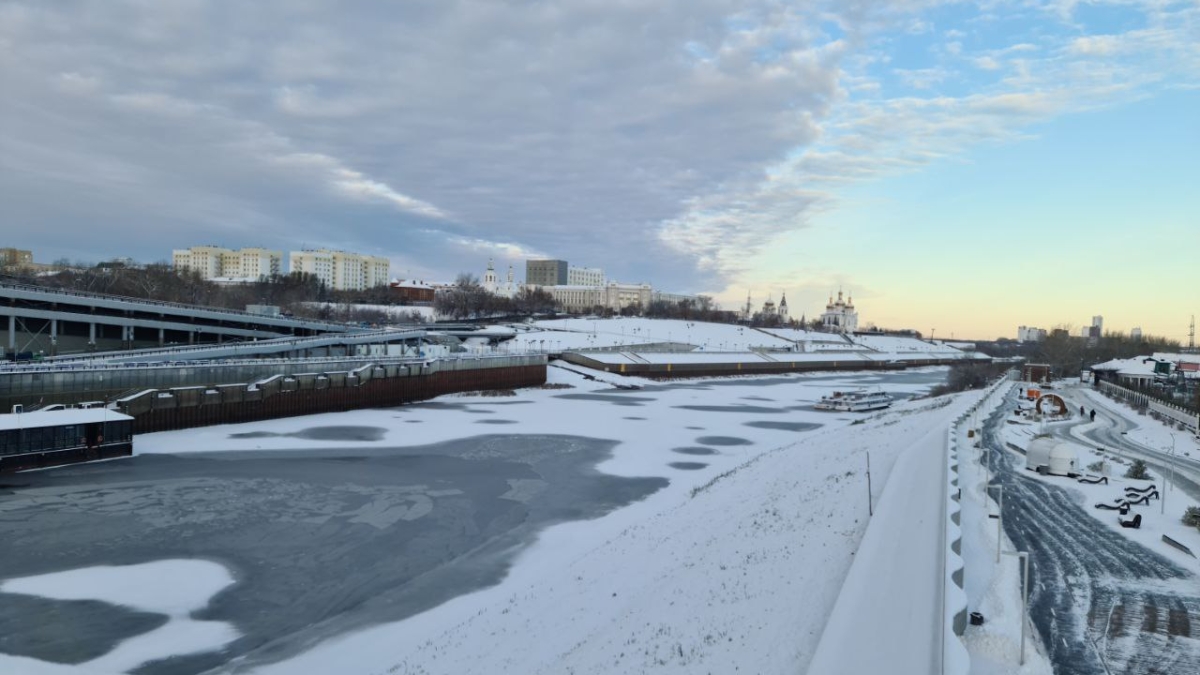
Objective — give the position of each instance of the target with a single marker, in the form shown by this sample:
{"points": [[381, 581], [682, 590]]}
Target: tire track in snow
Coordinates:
{"points": [[1099, 600]]}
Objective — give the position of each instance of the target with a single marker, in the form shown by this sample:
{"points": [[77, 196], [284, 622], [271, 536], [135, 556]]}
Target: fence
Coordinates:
{"points": [[1186, 417], [369, 386]]}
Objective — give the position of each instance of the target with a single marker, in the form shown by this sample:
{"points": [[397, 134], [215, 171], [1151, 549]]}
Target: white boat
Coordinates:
{"points": [[854, 401]]}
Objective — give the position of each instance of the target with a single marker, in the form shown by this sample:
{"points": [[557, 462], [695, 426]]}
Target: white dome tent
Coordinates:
{"points": [[1049, 456]]}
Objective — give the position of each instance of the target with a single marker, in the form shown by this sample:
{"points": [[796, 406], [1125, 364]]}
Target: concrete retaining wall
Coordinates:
{"points": [[674, 370], [304, 394]]}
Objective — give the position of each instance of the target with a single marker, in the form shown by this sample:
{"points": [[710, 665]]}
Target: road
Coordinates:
{"points": [[1101, 602]]}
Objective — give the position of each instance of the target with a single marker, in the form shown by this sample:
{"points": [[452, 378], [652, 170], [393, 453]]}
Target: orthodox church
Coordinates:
{"points": [[492, 284], [840, 316]]}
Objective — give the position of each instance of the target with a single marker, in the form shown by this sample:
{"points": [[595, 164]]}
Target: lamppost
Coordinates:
{"points": [[1167, 484], [1024, 556], [1000, 519]]}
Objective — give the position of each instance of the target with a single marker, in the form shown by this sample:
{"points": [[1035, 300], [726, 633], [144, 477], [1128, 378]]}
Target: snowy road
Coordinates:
{"points": [[1101, 602]]}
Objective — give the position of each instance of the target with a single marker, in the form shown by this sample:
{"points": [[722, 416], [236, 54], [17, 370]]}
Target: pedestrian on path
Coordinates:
{"points": [[1093, 415]]}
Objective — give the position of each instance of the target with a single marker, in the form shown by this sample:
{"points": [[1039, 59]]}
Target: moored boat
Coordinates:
{"points": [[854, 401]]}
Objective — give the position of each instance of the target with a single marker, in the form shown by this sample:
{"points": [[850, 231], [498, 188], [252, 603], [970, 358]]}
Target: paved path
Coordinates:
{"points": [[1101, 602]]}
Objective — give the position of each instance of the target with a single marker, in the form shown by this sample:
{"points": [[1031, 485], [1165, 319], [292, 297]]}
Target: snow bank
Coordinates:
{"points": [[172, 587]]}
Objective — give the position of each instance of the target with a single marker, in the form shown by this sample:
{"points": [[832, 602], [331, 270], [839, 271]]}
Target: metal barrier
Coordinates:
{"points": [[1188, 418]]}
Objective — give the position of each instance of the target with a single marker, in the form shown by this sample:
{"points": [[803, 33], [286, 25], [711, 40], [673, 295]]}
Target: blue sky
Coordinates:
{"points": [[946, 162]]}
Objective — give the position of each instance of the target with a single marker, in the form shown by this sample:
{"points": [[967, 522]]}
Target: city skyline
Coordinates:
{"points": [[958, 168]]}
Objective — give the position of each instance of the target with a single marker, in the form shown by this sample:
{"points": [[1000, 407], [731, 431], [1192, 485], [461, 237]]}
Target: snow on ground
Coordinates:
{"points": [[176, 588], [559, 334], [391, 311], [731, 568], [711, 341], [735, 564]]}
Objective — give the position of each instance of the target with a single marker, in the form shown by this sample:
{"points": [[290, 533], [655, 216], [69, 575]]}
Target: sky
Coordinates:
{"points": [[959, 168]]}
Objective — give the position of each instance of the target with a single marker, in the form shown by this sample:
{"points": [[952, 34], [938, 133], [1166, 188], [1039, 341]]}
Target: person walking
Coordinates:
{"points": [[1093, 414]]}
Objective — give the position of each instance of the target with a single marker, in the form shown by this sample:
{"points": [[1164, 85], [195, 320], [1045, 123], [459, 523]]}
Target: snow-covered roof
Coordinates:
{"points": [[58, 418], [1140, 366]]}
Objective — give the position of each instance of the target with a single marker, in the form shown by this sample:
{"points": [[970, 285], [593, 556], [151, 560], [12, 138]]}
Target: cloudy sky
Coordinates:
{"points": [[964, 167]]}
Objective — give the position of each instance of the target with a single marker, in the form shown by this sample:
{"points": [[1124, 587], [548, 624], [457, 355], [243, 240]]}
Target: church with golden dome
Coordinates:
{"points": [[840, 316]]}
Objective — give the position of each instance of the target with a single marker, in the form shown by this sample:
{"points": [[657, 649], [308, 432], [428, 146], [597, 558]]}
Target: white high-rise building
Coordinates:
{"points": [[1136, 333], [216, 262], [1030, 334], [341, 270], [585, 276]]}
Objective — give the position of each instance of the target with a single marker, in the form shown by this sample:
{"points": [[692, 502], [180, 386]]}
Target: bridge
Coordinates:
{"points": [[54, 321]]}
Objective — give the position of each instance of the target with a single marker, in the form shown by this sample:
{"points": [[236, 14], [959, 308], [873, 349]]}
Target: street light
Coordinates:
{"points": [[999, 520], [1024, 556], [1163, 499]]}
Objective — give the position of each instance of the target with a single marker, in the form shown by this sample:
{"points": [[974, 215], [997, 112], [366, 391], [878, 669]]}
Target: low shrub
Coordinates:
{"points": [[1137, 471]]}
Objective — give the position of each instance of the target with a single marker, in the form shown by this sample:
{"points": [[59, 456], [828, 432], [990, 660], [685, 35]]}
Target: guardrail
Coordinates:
{"points": [[955, 658], [157, 303]]}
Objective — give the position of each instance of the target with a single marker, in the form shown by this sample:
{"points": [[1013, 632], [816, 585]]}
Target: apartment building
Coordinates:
{"points": [[341, 270], [15, 257], [216, 262], [585, 276]]}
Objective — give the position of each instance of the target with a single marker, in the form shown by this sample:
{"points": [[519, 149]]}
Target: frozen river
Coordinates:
{"points": [[337, 522]]}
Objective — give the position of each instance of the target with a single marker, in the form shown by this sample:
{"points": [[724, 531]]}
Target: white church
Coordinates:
{"points": [[493, 285], [840, 316]]}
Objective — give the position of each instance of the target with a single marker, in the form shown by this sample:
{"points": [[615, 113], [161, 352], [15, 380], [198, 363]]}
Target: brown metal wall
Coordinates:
{"points": [[375, 393], [663, 371]]}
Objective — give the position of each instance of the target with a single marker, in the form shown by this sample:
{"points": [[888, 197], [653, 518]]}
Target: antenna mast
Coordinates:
{"points": [[1192, 334]]}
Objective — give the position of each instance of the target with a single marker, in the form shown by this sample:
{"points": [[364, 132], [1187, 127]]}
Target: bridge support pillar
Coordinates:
{"points": [[53, 337], [92, 335], [191, 337], [12, 333], [161, 336]]}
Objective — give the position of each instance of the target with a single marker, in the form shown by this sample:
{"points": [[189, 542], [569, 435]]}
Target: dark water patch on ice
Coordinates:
{"points": [[438, 405], [633, 418], [783, 426], [723, 440], [424, 524], [67, 631], [694, 450], [341, 433], [695, 428], [615, 399], [495, 421], [323, 434], [748, 409], [476, 411], [757, 398], [414, 421], [687, 466]]}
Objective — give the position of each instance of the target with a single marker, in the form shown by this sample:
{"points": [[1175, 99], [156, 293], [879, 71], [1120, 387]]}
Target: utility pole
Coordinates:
{"points": [[1192, 334], [870, 506]]}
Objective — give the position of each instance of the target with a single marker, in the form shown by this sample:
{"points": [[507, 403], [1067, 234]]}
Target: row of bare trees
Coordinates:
{"points": [[468, 299]]}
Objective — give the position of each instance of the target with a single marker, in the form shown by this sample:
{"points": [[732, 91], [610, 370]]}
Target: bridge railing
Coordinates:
{"points": [[159, 303]]}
